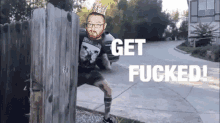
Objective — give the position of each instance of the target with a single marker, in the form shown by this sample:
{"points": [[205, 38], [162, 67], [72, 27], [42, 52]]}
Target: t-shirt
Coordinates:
{"points": [[89, 50]]}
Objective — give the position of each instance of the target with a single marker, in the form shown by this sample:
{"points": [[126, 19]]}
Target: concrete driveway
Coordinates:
{"points": [[157, 102]]}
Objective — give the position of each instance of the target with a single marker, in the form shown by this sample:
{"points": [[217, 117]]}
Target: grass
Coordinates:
{"points": [[187, 49], [200, 52]]}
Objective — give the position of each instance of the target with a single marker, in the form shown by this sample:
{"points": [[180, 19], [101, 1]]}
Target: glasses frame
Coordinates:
{"points": [[95, 25]]}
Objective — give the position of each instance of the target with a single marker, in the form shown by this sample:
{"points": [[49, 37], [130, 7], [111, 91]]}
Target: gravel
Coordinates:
{"points": [[83, 116]]}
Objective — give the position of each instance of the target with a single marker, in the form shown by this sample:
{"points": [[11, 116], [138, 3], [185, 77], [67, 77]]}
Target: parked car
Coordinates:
{"points": [[107, 45]]}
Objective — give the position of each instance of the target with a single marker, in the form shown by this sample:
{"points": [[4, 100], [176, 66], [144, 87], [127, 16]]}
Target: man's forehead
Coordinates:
{"points": [[96, 18]]}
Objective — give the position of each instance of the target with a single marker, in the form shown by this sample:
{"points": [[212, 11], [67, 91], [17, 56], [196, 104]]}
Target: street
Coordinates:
{"points": [[157, 102]]}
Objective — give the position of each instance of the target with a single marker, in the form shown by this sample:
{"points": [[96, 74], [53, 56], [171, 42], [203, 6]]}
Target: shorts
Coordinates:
{"points": [[89, 77]]}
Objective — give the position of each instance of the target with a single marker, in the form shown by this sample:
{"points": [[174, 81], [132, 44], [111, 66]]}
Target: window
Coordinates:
{"points": [[206, 7], [193, 11], [194, 8], [210, 4], [202, 4], [206, 4]]}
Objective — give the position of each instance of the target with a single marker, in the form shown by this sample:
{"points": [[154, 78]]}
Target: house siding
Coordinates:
{"points": [[196, 16]]}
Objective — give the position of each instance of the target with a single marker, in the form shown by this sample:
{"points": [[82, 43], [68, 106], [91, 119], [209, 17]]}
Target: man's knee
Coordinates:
{"points": [[109, 91], [103, 85]]}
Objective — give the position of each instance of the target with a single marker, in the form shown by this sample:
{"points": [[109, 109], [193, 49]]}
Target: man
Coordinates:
{"points": [[91, 46]]}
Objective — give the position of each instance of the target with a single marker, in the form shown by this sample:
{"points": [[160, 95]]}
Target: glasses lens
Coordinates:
{"points": [[96, 25]]}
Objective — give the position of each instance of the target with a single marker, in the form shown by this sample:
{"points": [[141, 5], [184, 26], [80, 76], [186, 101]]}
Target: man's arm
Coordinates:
{"points": [[106, 62]]}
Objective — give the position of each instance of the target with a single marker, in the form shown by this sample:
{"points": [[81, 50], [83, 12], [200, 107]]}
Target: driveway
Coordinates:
{"points": [[157, 102]]}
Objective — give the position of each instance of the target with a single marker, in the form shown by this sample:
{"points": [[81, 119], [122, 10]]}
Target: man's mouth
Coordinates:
{"points": [[92, 31]]}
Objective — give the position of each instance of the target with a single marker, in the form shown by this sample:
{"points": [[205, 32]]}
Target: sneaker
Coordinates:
{"points": [[111, 119]]}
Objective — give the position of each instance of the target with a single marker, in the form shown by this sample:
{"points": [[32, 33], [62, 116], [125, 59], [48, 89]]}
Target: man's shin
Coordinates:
{"points": [[107, 101]]}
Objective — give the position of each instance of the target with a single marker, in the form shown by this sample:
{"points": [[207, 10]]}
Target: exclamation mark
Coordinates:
{"points": [[204, 69]]}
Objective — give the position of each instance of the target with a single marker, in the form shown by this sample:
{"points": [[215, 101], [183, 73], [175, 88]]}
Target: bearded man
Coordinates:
{"points": [[91, 46]]}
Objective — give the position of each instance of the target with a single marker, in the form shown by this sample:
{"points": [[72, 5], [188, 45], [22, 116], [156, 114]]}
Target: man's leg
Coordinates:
{"points": [[97, 80], [103, 85]]}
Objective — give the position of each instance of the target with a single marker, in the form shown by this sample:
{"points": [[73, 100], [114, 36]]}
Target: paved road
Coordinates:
{"points": [[157, 102]]}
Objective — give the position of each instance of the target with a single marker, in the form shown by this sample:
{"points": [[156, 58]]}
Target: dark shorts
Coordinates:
{"points": [[89, 77]]}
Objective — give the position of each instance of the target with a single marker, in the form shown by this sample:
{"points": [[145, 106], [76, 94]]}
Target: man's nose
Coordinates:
{"points": [[93, 27]]}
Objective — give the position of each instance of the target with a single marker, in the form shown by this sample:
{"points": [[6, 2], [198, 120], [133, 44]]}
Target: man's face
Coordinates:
{"points": [[95, 26]]}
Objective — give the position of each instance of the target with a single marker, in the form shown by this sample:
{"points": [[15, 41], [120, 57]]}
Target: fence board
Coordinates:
{"points": [[68, 60], [64, 68], [56, 68], [37, 41], [25, 35], [4, 73], [50, 64], [7, 81], [1, 93], [42, 59], [1, 31], [74, 66]]}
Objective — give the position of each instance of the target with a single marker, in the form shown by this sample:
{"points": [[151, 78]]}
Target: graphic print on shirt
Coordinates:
{"points": [[89, 51]]}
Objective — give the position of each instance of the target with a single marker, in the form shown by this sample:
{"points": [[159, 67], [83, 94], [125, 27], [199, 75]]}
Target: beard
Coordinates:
{"points": [[93, 35]]}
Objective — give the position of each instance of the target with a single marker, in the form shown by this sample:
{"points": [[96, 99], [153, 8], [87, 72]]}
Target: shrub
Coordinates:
{"points": [[216, 52], [202, 52], [196, 51], [185, 43], [204, 31]]}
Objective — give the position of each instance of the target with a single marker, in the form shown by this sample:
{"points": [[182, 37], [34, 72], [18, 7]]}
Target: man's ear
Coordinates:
{"points": [[105, 25]]}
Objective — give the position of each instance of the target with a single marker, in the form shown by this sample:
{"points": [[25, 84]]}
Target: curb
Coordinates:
{"points": [[181, 51], [98, 112]]}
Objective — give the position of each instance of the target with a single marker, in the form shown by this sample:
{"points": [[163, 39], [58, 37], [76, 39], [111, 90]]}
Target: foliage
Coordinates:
{"points": [[144, 19], [204, 31], [175, 16], [14, 10], [68, 5], [202, 51], [183, 30], [185, 43], [173, 19], [185, 13]]}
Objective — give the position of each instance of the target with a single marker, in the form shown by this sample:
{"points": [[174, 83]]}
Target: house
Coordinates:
{"points": [[204, 11]]}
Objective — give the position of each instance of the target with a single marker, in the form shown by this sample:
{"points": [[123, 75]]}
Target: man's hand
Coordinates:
{"points": [[106, 62]]}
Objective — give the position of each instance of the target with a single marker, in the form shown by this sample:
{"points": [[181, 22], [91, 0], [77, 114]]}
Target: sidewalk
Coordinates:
{"points": [[157, 102]]}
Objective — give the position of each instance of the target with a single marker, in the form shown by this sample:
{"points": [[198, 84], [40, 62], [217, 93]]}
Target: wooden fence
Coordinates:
{"points": [[47, 48], [54, 65], [15, 66]]}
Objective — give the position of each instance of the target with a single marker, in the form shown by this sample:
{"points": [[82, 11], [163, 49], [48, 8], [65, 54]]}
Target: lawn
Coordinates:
{"points": [[187, 49]]}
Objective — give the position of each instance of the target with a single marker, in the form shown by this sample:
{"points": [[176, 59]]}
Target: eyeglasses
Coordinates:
{"points": [[96, 25]]}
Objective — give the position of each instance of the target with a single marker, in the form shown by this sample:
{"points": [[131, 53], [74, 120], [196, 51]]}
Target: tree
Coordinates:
{"points": [[68, 5], [12, 10], [151, 21], [183, 30], [174, 18], [185, 13]]}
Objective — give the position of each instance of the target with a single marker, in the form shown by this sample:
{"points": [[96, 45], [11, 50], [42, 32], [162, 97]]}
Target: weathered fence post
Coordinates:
{"points": [[54, 65]]}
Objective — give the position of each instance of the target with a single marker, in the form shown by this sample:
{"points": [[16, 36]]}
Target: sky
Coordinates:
{"points": [[171, 5]]}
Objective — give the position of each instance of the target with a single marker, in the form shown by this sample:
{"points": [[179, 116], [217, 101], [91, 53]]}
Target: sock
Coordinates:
{"points": [[107, 101]]}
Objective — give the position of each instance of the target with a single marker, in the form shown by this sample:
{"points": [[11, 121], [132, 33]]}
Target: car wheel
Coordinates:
{"points": [[110, 63]]}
